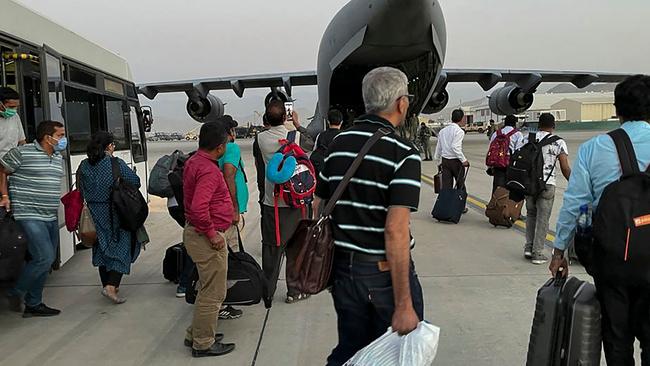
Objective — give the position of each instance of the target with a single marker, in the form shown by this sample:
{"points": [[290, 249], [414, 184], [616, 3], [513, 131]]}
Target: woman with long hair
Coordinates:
{"points": [[116, 249]]}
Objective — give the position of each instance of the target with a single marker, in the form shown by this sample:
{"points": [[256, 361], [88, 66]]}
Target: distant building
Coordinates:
{"points": [[570, 107]]}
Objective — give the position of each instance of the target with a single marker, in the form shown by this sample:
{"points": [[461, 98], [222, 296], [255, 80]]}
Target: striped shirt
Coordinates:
{"points": [[388, 176], [34, 183]]}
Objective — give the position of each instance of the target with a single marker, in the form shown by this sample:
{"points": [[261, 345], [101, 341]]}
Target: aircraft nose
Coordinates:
{"points": [[400, 23]]}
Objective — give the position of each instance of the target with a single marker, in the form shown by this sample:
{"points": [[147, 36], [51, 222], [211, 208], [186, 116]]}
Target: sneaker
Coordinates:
{"points": [[295, 298], [217, 349], [230, 313], [217, 338], [539, 259], [528, 252], [15, 303], [180, 292], [40, 310]]}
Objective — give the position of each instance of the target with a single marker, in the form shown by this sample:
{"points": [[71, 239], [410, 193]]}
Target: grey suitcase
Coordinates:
{"points": [[566, 327]]}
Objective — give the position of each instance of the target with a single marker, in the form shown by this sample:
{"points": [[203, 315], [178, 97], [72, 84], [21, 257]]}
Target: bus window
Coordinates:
{"points": [[83, 115], [83, 77], [115, 121], [31, 96], [137, 149], [54, 87], [7, 68]]}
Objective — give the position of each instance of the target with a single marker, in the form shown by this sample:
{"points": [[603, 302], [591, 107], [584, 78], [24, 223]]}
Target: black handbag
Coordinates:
{"points": [[246, 282], [13, 247], [127, 201]]}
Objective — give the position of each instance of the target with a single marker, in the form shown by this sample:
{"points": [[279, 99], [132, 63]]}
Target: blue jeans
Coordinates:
{"points": [[43, 245], [364, 303]]}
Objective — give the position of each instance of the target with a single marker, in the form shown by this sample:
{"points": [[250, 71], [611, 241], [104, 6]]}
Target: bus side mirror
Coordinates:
{"points": [[147, 117]]}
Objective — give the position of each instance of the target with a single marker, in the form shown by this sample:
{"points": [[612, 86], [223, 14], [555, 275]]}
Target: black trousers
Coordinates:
{"points": [[499, 175], [453, 171], [111, 278], [626, 316], [271, 252], [364, 303]]}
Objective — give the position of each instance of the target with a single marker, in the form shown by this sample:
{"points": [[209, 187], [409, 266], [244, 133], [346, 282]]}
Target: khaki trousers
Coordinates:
{"points": [[212, 266]]}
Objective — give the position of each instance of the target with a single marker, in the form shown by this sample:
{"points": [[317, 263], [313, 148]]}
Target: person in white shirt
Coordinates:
{"points": [[11, 127], [516, 142], [538, 209], [449, 151]]}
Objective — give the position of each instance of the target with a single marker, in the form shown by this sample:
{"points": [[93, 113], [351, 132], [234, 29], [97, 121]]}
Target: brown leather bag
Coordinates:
{"points": [[437, 180], [312, 244]]}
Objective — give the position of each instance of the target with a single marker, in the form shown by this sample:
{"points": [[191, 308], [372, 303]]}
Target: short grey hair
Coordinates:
{"points": [[382, 87]]}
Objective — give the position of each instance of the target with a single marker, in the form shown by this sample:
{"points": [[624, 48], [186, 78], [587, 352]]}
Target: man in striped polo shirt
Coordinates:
{"points": [[34, 192], [375, 285]]}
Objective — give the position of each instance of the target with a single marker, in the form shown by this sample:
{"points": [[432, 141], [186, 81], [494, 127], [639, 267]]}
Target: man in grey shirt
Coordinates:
{"points": [[11, 128]]}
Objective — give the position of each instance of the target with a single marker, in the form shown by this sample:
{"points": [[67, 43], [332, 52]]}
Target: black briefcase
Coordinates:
{"points": [[566, 327], [13, 247]]}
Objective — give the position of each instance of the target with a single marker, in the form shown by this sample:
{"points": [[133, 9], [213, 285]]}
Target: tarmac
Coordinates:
{"points": [[477, 286]]}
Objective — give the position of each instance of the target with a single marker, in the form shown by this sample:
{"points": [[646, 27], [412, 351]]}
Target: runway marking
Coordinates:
{"points": [[480, 204]]}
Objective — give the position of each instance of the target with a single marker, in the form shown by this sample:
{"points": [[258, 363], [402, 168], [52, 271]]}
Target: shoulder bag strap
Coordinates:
{"points": [[115, 167], [352, 170], [626, 154]]}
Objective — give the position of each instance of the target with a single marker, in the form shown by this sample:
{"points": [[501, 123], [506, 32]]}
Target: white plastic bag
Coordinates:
{"points": [[417, 348]]}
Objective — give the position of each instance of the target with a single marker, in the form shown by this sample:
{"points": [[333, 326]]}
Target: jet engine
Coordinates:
{"points": [[510, 100], [436, 103], [206, 109], [276, 95]]}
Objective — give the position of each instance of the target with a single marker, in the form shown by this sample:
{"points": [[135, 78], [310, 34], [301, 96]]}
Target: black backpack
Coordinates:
{"points": [[525, 175], [127, 201], [246, 282], [621, 251]]}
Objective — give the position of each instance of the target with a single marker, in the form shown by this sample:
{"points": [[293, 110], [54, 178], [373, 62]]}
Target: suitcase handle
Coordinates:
{"points": [[559, 279]]}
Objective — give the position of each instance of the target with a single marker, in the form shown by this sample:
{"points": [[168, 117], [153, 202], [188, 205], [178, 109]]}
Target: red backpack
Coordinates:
{"points": [[298, 190], [498, 155]]}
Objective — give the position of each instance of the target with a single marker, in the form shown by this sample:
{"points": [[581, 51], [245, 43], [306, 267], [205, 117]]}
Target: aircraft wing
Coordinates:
{"points": [[486, 78], [527, 79], [237, 84]]}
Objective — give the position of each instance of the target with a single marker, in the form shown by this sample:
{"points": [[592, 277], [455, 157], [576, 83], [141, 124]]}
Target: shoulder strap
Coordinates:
{"points": [[548, 139], [353, 169], [499, 132], [291, 136], [115, 167], [514, 131], [626, 154]]}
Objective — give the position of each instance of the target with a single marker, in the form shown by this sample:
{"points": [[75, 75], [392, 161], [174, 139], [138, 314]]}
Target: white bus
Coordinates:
{"points": [[64, 77]]}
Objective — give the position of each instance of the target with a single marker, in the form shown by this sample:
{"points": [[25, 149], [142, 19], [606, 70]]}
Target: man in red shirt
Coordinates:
{"points": [[209, 215]]}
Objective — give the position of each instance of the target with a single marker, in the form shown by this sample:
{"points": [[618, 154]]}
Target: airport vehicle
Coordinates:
{"points": [[369, 33], [64, 77]]}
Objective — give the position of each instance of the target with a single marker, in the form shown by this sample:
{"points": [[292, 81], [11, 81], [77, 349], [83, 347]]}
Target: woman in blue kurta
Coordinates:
{"points": [[116, 248]]}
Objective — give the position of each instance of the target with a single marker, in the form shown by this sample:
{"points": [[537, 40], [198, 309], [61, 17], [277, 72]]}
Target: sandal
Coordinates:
{"points": [[114, 298], [295, 298]]}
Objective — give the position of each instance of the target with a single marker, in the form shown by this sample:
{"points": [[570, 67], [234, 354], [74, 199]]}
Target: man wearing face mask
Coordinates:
{"points": [[11, 128], [35, 167]]}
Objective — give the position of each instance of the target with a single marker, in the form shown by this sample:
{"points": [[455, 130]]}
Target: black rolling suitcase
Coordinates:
{"points": [[566, 327], [450, 204], [13, 247], [173, 262]]}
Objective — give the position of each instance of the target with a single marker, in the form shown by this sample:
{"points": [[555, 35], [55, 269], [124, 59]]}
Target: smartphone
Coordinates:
{"points": [[288, 106]]}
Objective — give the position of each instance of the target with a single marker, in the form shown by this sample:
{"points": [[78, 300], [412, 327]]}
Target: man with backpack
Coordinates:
{"points": [[325, 138], [281, 214], [503, 143], [532, 172], [611, 175]]}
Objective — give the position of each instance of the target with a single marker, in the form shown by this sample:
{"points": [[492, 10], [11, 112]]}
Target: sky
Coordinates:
{"points": [[167, 40]]}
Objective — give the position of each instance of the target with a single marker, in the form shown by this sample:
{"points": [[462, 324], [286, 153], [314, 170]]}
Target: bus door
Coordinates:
{"points": [[53, 92], [138, 146]]}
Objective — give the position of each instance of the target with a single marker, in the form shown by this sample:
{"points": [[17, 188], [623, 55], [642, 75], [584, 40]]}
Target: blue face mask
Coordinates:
{"points": [[61, 145]]}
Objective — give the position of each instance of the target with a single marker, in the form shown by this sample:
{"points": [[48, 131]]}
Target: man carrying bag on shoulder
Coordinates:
{"points": [[370, 221]]}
